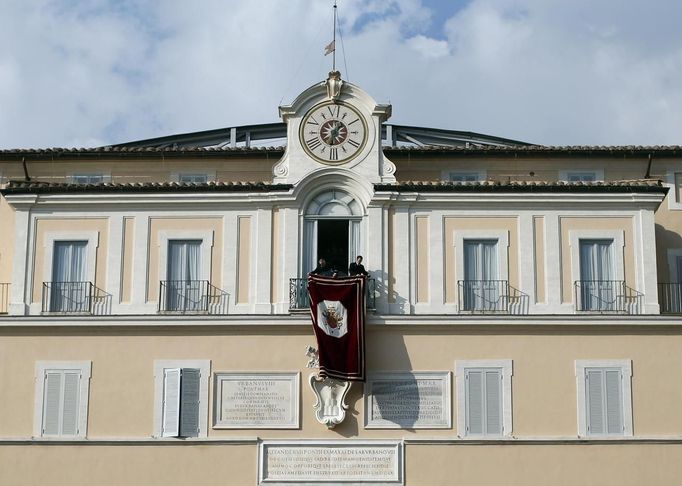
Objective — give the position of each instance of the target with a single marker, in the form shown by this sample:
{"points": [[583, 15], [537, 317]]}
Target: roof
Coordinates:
{"points": [[22, 187], [640, 185]]}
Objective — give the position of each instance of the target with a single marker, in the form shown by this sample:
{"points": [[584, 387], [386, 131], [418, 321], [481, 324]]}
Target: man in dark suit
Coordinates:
{"points": [[357, 268], [323, 269]]}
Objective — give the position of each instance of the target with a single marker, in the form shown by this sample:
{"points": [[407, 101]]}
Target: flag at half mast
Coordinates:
{"points": [[329, 48], [337, 309]]}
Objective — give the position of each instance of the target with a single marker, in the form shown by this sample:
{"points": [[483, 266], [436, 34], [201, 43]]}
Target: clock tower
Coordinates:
{"points": [[334, 125]]}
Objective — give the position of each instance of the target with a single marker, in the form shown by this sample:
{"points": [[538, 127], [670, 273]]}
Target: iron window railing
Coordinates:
{"points": [[607, 296], [670, 298], [192, 296], [298, 294], [483, 296], [4, 298], [75, 298]]}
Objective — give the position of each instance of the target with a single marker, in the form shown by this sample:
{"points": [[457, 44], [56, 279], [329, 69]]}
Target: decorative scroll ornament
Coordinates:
{"points": [[334, 85], [313, 357], [331, 406]]}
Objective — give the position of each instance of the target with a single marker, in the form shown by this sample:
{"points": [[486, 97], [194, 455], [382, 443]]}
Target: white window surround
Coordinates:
{"points": [[598, 174], [204, 365], [502, 238], [673, 255], [447, 174], [618, 237], [210, 175], [206, 237], [507, 371], [626, 367], [92, 237], [85, 368]]}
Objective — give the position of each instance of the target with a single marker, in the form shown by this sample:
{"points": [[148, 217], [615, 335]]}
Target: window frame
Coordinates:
{"points": [[204, 365], [564, 175], [92, 239], [507, 368], [447, 175], [41, 368], [625, 365], [177, 176], [502, 237], [106, 177], [618, 242], [207, 238]]}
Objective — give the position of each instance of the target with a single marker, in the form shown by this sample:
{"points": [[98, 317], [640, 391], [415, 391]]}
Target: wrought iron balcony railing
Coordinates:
{"points": [[4, 298], [298, 294], [75, 298], [670, 298], [484, 296], [607, 296], [192, 297]]}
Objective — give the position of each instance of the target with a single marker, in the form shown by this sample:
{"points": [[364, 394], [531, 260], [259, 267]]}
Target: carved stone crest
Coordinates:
{"points": [[331, 406], [334, 85]]}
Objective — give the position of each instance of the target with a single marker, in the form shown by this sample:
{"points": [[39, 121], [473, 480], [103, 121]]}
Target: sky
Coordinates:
{"points": [[83, 73]]}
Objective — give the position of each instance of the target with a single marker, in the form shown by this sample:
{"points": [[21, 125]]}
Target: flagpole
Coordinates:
{"points": [[334, 41]]}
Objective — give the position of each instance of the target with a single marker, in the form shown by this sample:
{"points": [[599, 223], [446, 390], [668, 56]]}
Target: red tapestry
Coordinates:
{"points": [[337, 308]]}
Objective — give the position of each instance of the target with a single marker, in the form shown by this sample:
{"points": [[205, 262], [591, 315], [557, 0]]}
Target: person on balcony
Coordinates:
{"points": [[323, 269], [356, 267]]}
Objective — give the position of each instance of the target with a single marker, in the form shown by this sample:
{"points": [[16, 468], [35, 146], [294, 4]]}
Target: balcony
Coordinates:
{"points": [[298, 294], [75, 298], [192, 297], [670, 298], [607, 297], [4, 297]]}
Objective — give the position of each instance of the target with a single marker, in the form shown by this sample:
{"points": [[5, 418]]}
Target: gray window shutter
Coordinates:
{"points": [[51, 402], [493, 402], [474, 402], [614, 401], [189, 402], [595, 401], [171, 402], [70, 404]]}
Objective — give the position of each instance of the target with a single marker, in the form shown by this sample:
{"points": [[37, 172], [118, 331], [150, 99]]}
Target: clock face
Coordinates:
{"points": [[333, 133]]}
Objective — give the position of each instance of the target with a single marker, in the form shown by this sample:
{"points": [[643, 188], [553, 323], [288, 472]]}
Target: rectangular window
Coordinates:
{"points": [[184, 288], [484, 397], [62, 398], [193, 178], [87, 178], [482, 290], [69, 289], [598, 289], [581, 177], [181, 398], [181, 402], [464, 177], [604, 397]]}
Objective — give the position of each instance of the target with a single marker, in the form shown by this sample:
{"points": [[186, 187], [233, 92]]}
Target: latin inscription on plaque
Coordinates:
{"points": [[374, 462], [408, 400], [256, 400]]}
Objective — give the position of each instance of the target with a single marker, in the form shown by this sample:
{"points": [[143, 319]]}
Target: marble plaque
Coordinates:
{"points": [[256, 400], [418, 400], [301, 462]]}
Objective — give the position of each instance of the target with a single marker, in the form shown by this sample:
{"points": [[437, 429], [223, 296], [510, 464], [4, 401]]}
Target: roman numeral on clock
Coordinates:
{"points": [[333, 153], [313, 143], [353, 143]]}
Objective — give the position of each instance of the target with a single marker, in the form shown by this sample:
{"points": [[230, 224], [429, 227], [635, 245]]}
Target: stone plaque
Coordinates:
{"points": [[419, 400], [330, 462], [256, 400]]}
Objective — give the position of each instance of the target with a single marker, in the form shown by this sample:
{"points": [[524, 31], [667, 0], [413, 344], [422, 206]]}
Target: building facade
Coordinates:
{"points": [[523, 306]]}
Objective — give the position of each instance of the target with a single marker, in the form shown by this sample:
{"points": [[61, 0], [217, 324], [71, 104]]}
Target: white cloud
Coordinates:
{"points": [[552, 72]]}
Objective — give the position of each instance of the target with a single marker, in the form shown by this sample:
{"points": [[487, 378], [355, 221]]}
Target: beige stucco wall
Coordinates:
{"points": [[544, 385], [453, 224], [243, 259], [67, 225], [127, 271], [7, 241], [422, 251], [539, 253], [185, 226], [568, 224]]}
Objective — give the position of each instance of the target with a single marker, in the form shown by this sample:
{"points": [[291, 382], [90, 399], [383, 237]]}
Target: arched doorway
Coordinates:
{"points": [[332, 230]]}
